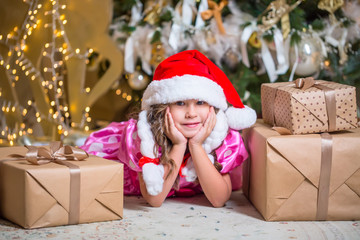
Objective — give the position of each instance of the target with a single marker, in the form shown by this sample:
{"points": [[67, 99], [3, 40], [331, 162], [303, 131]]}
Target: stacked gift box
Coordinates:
{"points": [[304, 154], [58, 185]]}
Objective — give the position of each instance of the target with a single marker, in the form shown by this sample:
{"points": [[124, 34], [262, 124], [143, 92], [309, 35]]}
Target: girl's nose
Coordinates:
{"points": [[190, 111]]}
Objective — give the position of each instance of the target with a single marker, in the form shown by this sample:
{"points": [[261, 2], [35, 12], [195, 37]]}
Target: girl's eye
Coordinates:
{"points": [[180, 103], [200, 103]]}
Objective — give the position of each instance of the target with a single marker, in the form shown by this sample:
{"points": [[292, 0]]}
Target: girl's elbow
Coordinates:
{"points": [[217, 204], [219, 200], [154, 202]]}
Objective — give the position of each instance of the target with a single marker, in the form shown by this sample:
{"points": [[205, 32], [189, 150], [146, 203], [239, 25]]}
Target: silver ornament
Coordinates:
{"points": [[137, 80], [309, 57]]}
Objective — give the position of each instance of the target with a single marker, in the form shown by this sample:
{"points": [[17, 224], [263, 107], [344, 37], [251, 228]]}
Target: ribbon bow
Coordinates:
{"points": [[330, 100], [215, 11], [305, 83], [56, 153]]}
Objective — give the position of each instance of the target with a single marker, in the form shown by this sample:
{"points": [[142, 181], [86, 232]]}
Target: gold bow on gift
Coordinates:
{"points": [[215, 11], [304, 83], [56, 153]]}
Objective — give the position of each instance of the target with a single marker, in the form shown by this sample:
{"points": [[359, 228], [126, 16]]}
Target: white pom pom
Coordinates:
{"points": [[240, 118], [153, 178]]}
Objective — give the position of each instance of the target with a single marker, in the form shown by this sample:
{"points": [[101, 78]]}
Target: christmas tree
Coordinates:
{"points": [[252, 41]]}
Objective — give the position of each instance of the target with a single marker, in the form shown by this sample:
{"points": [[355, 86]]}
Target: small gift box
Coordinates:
{"points": [[309, 106], [303, 177], [43, 187]]}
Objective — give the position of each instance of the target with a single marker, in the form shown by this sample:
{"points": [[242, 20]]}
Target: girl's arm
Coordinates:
{"points": [[176, 153], [216, 186]]}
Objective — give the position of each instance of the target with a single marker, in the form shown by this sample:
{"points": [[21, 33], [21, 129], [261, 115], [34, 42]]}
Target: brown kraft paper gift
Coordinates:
{"points": [[323, 107], [282, 176], [34, 196]]}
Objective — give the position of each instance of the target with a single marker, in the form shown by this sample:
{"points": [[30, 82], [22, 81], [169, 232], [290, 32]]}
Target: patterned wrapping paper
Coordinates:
{"points": [[282, 175], [35, 196], [305, 111]]}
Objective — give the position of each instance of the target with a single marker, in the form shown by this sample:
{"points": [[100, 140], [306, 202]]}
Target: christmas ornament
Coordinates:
{"points": [[306, 57], [254, 41], [153, 10], [231, 58], [157, 54], [331, 6], [137, 80], [276, 11], [336, 34], [215, 11]]}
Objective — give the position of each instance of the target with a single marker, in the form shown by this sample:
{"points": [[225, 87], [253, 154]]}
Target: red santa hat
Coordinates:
{"points": [[191, 75]]}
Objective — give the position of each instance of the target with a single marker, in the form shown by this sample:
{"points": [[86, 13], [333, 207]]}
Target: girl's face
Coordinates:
{"points": [[189, 116]]}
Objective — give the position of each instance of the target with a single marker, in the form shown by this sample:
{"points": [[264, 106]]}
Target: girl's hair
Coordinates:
{"points": [[156, 119]]}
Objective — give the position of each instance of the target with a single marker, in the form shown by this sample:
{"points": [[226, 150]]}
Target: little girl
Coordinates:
{"points": [[185, 140]]}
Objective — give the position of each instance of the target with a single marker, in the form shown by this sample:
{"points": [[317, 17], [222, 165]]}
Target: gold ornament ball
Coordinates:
{"points": [[309, 56], [137, 80], [231, 59]]}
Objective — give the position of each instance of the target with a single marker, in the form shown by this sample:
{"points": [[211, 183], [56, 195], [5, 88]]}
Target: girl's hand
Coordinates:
{"points": [[171, 131], [205, 130]]}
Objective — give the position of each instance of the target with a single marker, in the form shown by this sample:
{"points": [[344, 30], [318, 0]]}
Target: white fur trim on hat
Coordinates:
{"points": [[218, 134], [240, 118], [180, 88], [145, 134]]}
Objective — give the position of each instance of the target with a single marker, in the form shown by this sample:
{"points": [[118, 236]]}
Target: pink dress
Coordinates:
{"points": [[119, 142]]}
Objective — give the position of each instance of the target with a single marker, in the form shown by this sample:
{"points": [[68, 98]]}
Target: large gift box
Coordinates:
{"points": [[58, 191], [303, 177], [313, 107]]}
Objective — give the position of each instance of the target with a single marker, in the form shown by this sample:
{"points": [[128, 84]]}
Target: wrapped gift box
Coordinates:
{"points": [[34, 196], [281, 178], [307, 111]]}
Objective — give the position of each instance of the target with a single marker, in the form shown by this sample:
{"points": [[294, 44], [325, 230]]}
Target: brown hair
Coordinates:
{"points": [[156, 119]]}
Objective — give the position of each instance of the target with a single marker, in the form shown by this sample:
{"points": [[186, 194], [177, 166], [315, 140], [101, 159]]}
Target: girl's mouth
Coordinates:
{"points": [[191, 125]]}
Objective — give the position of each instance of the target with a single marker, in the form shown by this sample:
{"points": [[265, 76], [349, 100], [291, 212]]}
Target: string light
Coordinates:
{"points": [[52, 81]]}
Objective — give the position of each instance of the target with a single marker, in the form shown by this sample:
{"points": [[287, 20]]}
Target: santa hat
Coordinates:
{"points": [[191, 75]]}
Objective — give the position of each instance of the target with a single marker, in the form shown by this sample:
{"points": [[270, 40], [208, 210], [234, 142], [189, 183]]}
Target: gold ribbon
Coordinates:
{"points": [[215, 11], [305, 83], [324, 179], [57, 153], [330, 101]]}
